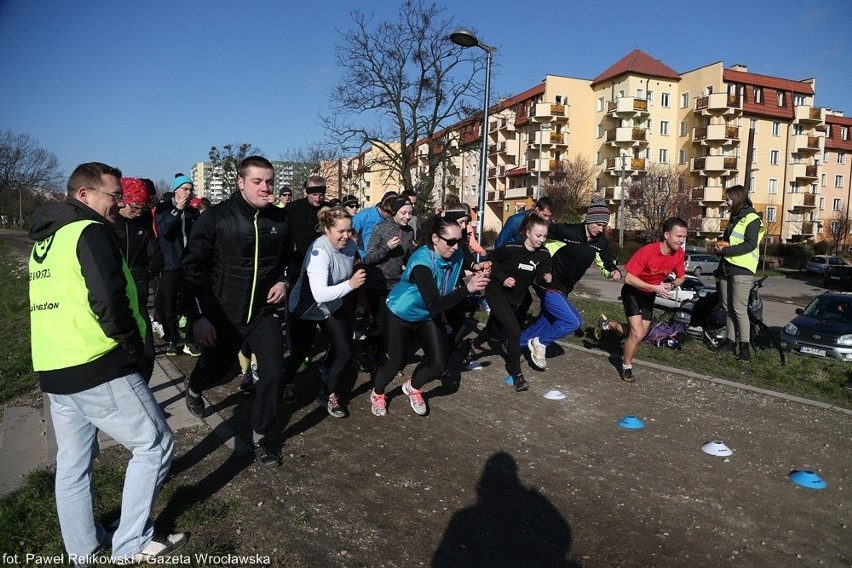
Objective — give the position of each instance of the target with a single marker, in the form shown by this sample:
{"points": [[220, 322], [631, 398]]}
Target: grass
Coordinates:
{"points": [[16, 369], [807, 377]]}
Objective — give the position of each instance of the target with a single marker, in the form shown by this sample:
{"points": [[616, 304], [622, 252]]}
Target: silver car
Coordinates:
{"points": [[819, 264], [699, 264]]}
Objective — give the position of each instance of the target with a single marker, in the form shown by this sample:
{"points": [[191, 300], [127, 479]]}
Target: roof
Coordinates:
{"points": [[637, 62], [777, 83]]}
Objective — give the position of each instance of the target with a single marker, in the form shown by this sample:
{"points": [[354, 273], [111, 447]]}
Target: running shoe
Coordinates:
{"points": [[537, 353], [378, 404], [601, 326], [415, 397]]}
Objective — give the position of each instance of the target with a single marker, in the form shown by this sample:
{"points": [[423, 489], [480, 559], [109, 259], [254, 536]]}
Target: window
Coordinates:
{"points": [[558, 99], [798, 100], [752, 185], [841, 157], [844, 133], [640, 93], [598, 157], [770, 214], [600, 131], [758, 95], [773, 157], [650, 98], [793, 188], [664, 128], [798, 129], [684, 100], [838, 181], [600, 104], [776, 128], [664, 156], [681, 157], [773, 186], [683, 128], [828, 131], [835, 227], [780, 97], [837, 204], [822, 203], [664, 100], [824, 179], [754, 156]]}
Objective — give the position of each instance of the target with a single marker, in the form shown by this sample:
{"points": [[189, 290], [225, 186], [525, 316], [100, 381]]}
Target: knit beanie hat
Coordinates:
{"points": [[398, 203], [456, 214], [134, 191], [598, 212], [285, 190], [179, 180], [350, 201]]}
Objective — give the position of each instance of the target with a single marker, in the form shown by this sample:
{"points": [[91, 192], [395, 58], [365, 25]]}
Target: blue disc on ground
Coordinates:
{"points": [[509, 381], [631, 423], [808, 479]]}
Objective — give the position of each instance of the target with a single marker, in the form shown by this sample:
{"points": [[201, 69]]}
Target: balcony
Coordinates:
{"points": [[498, 148], [519, 193], [806, 144], [550, 112], [718, 104], [801, 202], [613, 194], [709, 194], [498, 171], [804, 114], [804, 172], [627, 107], [494, 195], [626, 136], [807, 229], [724, 164], [631, 165], [711, 225], [715, 134]]}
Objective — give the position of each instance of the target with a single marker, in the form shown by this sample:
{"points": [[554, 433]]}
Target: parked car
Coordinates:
{"points": [[686, 291], [823, 328], [837, 276], [818, 264], [699, 264]]}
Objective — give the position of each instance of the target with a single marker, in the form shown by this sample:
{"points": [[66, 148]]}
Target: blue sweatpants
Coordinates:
{"points": [[558, 318]]}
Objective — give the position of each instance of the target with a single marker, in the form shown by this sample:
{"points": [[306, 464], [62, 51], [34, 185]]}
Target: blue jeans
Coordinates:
{"points": [[125, 409], [558, 318]]}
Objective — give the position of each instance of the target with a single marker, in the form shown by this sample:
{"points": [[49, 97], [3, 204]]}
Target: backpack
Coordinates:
{"points": [[665, 333]]}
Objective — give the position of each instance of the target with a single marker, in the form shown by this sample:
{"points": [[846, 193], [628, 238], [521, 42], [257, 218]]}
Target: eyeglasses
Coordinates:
{"points": [[137, 207], [450, 242], [118, 196], [353, 206]]}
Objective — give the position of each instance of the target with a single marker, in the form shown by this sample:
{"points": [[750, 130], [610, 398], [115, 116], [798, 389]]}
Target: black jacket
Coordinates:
{"points": [[572, 260], [303, 232], [173, 229], [140, 247], [235, 254], [101, 265]]}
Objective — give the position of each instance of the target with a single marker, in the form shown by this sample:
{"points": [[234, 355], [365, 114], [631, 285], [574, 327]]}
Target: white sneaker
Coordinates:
{"points": [[537, 353], [160, 545], [415, 397], [157, 328]]}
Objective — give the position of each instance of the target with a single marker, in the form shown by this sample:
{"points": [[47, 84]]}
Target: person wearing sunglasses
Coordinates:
{"points": [[87, 347], [350, 203], [428, 286], [141, 251]]}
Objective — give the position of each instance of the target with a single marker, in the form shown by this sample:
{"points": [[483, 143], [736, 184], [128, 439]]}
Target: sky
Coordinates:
{"points": [[150, 86]]}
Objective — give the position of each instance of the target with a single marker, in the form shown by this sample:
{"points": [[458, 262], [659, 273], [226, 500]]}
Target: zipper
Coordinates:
{"points": [[254, 269]]}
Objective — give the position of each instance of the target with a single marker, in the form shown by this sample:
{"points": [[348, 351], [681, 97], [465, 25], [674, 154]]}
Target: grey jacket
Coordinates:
{"points": [[383, 264]]}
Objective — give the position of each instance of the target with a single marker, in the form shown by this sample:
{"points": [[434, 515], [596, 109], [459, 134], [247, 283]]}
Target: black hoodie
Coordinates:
{"points": [[101, 265]]}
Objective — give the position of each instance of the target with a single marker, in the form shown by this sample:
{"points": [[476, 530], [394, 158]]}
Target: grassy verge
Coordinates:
{"points": [[807, 377], [16, 371]]}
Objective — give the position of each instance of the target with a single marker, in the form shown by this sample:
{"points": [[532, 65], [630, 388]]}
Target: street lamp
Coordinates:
{"points": [[466, 39]]}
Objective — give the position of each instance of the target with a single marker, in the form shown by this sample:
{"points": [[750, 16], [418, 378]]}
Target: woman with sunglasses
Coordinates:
{"points": [[427, 287], [514, 268]]}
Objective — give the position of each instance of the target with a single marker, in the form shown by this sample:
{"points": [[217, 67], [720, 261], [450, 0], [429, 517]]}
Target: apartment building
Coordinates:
{"points": [[368, 177], [639, 114], [835, 185]]}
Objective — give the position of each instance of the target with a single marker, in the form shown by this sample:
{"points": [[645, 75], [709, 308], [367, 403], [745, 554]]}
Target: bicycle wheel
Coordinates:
{"points": [[763, 338]]}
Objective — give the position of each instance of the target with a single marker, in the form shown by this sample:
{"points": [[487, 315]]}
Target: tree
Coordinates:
{"points": [[400, 86], [28, 174], [839, 226], [571, 188], [661, 193], [311, 159], [227, 160]]}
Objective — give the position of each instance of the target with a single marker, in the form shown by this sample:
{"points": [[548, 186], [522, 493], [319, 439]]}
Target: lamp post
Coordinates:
{"points": [[466, 39]]}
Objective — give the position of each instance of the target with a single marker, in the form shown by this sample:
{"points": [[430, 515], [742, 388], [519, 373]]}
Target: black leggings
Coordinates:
{"points": [[399, 336], [502, 317], [341, 351]]}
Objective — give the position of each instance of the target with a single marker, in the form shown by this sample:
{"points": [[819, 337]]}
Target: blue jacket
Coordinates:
{"points": [[405, 300], [363, 224], [509, 234], [173, 229]]}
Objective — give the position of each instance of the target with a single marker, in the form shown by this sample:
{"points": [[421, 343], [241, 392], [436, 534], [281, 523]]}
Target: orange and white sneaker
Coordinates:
{"points": [[415, 397], [378, 404]]}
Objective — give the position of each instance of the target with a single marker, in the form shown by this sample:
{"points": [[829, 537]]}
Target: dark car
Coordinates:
{"points": [[823, 328], [837, 276]]}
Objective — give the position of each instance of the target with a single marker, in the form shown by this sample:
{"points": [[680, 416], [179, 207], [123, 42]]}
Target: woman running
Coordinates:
{"points": [[512, 272], [317, 299], [428, 287]]}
